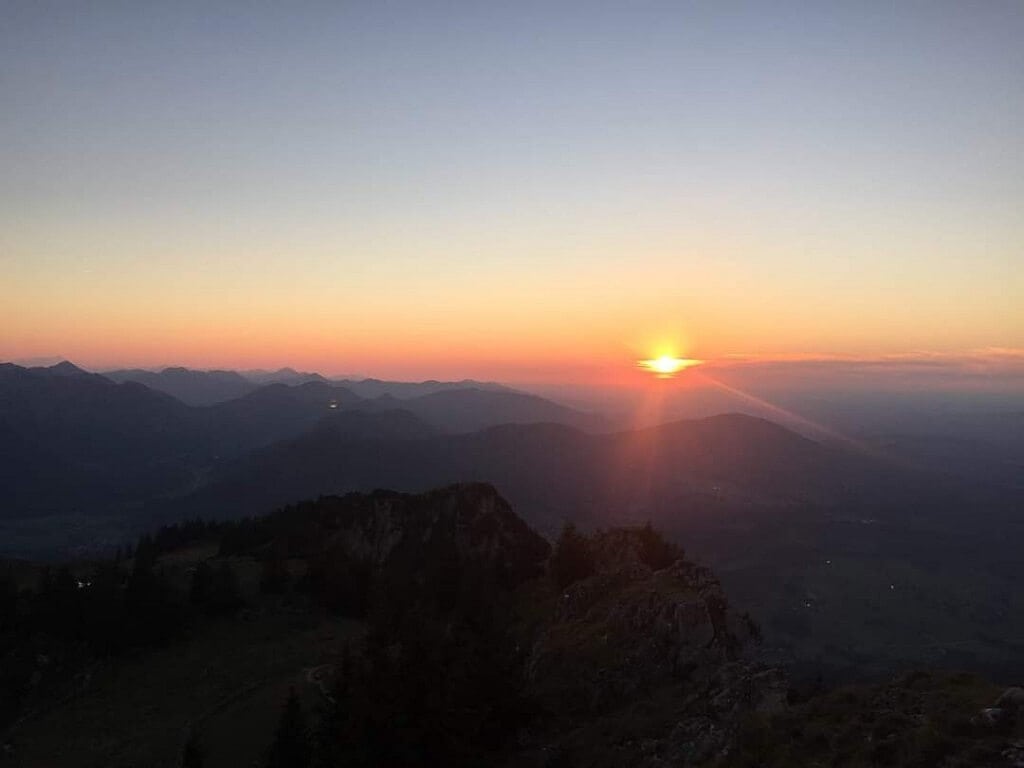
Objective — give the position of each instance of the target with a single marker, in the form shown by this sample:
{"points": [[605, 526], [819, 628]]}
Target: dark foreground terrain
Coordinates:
{"points": [[438, 629]]}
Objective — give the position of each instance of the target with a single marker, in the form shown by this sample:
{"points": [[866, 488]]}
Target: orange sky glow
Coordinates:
{"points": [[627, 186]]}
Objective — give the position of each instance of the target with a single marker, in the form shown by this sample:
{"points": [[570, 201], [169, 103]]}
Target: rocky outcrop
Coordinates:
{"points": [[468, 524], [630, 635], [1012, 699], [1005, 710], [640, 663]]}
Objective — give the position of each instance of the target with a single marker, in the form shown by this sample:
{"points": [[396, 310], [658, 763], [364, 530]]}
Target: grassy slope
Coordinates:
{"points": [[919, 720], [228, 679]]}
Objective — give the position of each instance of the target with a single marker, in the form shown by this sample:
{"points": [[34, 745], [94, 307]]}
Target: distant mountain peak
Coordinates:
{"points": [[66, 368]]}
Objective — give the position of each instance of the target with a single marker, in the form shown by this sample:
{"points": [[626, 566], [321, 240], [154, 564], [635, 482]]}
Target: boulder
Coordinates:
{"points": [[1012, 699]]}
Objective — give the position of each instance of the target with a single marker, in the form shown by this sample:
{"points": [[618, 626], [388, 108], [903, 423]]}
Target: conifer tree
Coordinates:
{"points": [[290, 748], [275, 576], [202, 585], [192, 754], [572, 559]]}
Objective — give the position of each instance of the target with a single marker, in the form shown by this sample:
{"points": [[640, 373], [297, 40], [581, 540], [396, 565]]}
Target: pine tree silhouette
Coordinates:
{"points": [[291, 741], [192, 754]]}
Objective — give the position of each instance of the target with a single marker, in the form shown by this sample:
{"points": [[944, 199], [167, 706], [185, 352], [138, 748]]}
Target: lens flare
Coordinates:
{"points": [[666, 366]]}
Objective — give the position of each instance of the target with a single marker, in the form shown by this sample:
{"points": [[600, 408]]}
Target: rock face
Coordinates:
{"points": [[1012, 699], [470, 524], [631, 638], [641, 663]]}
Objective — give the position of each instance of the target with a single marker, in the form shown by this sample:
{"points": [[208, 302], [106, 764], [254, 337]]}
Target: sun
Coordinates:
{"points": [[667, 366]]}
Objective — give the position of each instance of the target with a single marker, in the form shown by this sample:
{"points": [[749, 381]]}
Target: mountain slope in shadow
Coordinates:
{"points": [[80, 442], [548, 470], [189, 386], [471, 409]]}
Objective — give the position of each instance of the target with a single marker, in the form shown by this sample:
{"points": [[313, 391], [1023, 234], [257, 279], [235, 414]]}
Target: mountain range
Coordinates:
{"points": [[208, 387], [851, 555], [143, 450], [78, 441]]}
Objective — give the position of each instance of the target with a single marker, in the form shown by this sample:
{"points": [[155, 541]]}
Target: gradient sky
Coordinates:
{"points": [[521, 191]]}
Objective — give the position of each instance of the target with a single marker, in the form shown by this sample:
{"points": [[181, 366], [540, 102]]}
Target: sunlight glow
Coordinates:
{"points": [[667, 366]]}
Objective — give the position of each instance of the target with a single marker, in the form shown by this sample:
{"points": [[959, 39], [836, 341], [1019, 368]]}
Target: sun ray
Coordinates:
{"points": [[807, 425]]}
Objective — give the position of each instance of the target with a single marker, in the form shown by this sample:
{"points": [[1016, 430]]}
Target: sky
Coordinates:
{"points": [[513, 191]]}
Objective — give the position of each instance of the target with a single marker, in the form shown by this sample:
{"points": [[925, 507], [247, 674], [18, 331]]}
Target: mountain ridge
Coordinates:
{"points": [[212, 386]]}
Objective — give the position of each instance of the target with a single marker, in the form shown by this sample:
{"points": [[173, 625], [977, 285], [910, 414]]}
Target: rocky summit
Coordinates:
{"points": [[468, 523], [644, 665]]}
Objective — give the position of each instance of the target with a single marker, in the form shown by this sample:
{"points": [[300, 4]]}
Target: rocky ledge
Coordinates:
{"points": [[643, 666]]}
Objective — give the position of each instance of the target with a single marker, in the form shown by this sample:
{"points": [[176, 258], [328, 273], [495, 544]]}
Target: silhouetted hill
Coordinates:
{"points": [[382, 426], [191, 387], [63, 368], [297, 463], [288, 376], [278, 411], [468, 410], [195, 387], [374, 388], [116, 440], [370, 388], [37, 480], [550, 469], [81, 442]]}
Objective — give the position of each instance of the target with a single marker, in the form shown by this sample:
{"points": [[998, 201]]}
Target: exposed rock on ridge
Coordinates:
{"points": [[468, 523], [656, 648]]}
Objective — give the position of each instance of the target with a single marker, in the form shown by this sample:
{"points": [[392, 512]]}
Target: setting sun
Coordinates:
{"points": [[667, 366]]}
